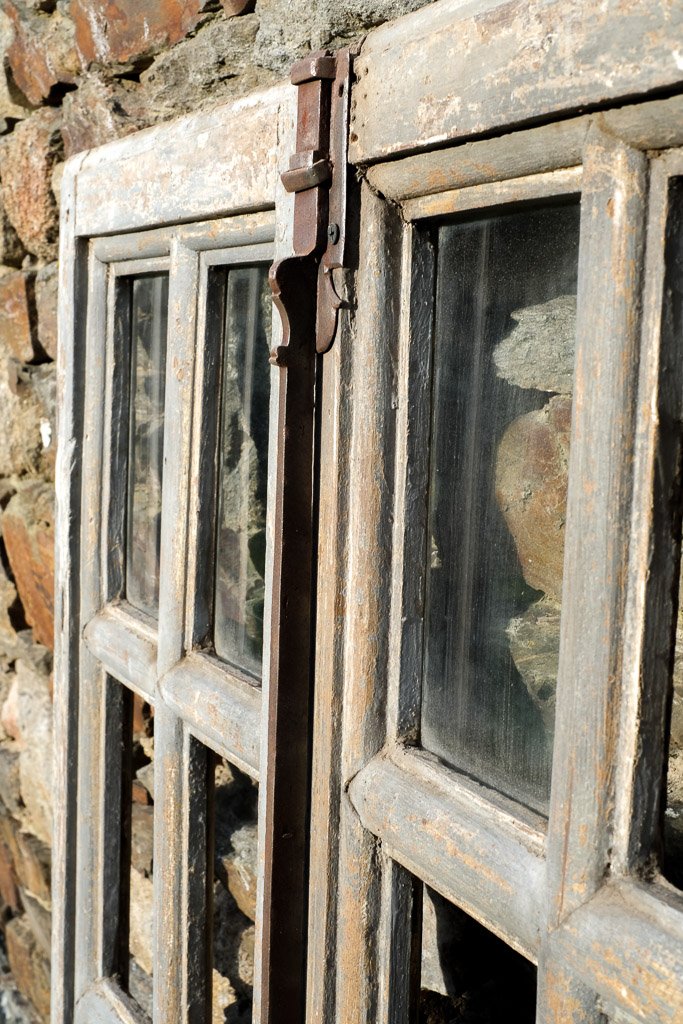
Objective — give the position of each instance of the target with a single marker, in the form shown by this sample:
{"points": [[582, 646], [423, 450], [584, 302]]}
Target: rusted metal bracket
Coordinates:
{"points": [[317, 175]]}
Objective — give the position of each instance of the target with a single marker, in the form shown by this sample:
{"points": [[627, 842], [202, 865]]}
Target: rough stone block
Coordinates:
{"points": [[142, 839], [101, 110], [33, 865], [233, 7], [291, 28], [28, 531], [27, 158], [27, 401], [140, 934], [46, 288], [17, 318], [39, 919], [9, 885], [43, 50], [10, 798], [29, 966], [213, 65], [35, 757], [531, 488], [12, 251], [117, 31], [238, 867], [13, 104]]}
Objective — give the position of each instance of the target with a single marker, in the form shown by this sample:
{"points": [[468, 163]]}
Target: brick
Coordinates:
{"points": [[17, 316], [46, 291], [43, 50], [117, 31], [28, 531], [27, 158], [101, 110], [29, 966]]}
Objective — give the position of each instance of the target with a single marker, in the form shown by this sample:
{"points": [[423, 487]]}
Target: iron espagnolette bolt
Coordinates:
{"points": [[317, 176]]}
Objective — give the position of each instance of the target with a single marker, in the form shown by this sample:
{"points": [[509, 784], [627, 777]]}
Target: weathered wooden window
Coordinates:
{"points": [[463, 522]]}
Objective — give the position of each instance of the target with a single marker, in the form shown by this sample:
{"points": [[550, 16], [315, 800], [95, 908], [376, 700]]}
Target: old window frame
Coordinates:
{"points": [[605, 929], [202, 190]]}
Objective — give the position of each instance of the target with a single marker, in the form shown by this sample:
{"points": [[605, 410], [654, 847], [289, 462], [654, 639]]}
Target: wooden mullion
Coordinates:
{"points": [[589, 692]]}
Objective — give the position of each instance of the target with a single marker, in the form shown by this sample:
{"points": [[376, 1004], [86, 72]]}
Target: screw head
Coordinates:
{"points": [[333, 233]]}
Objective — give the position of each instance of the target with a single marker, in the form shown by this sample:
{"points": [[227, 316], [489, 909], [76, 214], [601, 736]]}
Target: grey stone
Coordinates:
{"points": [[539, 351], [40, 920], [205, 69], [35, 758], [535, 648], [291, 28]]}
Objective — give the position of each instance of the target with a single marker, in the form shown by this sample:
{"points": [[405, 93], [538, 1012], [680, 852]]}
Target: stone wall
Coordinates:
{"points": [[78, 73]]}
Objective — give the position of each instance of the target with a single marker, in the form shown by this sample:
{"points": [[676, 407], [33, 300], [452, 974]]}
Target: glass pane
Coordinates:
{"points": [[234, 893], [673, 342], [243, 469], [141, 865], [469, 974], [502, 396], [149, 322]]}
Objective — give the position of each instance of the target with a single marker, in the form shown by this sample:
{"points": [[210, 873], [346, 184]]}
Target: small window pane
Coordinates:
{"points": [[149, 323], [502, 398], [234, 893], [243, 470], [672, 326]]}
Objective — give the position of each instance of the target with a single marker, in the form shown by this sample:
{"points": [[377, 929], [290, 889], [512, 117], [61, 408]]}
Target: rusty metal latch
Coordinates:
{"points": [[317, 175]]}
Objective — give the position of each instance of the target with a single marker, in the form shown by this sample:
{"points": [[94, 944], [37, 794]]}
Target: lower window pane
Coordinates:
{"points": [[234, 893], [505, 314], [468, 973]]}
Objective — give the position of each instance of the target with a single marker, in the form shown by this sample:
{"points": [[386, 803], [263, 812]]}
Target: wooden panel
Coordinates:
{"points": [[459, 69], [126, 647], [627, 944], [235, 231], [451, 836], [204, 165], [224, 712], [70, 370], [654, 125]]}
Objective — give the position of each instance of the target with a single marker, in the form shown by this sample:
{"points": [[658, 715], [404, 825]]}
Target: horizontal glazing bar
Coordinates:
{"points": [[126, 648], [445, 830], [627, 944], [221, 710]]}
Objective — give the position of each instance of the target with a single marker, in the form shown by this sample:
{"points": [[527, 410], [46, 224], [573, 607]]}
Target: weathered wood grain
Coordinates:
{"points": [[221, 710], [654, 125], [450, 834], [70, 364], [125, 644], [483, 65], [198, 167]]}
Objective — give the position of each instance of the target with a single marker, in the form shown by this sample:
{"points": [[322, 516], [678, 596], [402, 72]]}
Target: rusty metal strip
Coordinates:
{"points": [[312, 176]]}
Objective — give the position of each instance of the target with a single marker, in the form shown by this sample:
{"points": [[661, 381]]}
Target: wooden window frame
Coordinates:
{"points": [[581, 897], [200, 192]]}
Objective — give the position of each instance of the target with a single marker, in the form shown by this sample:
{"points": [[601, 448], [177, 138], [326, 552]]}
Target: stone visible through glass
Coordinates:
{"points": [[149, 324], [501, 409], [243, 470]]}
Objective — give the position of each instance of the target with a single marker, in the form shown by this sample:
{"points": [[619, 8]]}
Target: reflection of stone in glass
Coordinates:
{"points": [[243, 465], [149, 321], [503, 367]]}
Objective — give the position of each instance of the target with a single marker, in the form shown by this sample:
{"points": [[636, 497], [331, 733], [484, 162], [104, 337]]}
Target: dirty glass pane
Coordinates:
{"points": [[234, 893], [243, 469], [501, 408], [468, 974], [149, 320], [672, 320], [141, 915]]}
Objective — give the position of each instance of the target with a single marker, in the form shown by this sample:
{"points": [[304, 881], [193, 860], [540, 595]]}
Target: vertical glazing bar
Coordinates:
{"points": [[182, 985], [589, 693]]}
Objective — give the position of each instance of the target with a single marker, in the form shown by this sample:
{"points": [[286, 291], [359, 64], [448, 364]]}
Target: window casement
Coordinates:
{"points": [[472, 525]]}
